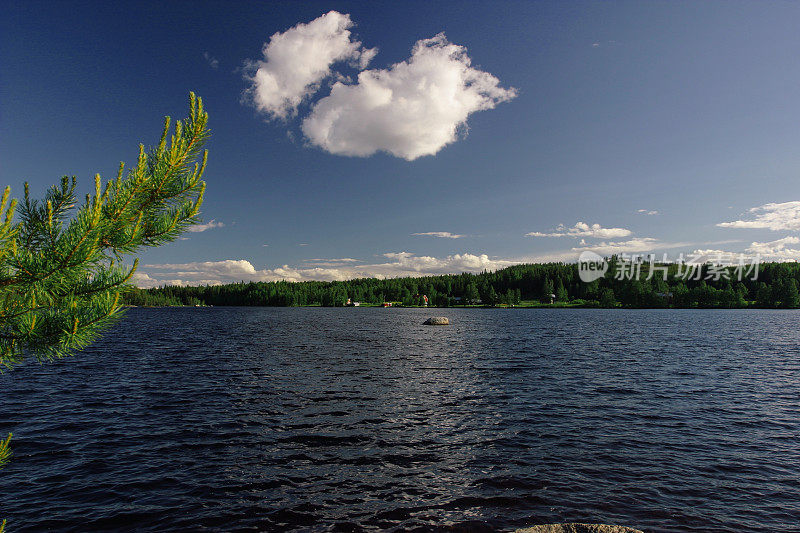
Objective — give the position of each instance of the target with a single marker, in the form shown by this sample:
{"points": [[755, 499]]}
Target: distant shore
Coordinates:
{"points": [[551, 285], [558, 305]]}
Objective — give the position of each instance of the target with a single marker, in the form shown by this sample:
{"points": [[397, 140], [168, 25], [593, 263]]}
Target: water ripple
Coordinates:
{"points": [[363, 419]]}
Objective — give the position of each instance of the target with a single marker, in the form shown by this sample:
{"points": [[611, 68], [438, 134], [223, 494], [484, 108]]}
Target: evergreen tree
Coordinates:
{"points": [[406, 298], [547, 289], [706, 295], [790, 298], [61, 268], [491, 296], [524, 280], [561, 292], [728, 297], [742, 293], [739, 300], [607, 298], [508, 297], [471, 293], [681, 295], [764, 295]]}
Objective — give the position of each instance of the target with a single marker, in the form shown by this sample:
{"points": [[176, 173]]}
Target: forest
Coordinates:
{"points": [[771, 285]]}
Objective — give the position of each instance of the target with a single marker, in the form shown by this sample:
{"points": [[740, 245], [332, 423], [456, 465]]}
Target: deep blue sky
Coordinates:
{"points": [[689, 109]]}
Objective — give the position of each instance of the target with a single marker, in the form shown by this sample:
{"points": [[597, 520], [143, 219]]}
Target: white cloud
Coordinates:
{"points": [[772, 246], [298, 60], [396, 264], [773, 216], [367, 55], [776, 250], [330, 262], [412, 109], [582, 229], [213, 62], [342, 260], [228, 268], [145, 281], [644, 244], [392, 265], [408, 264], [716, 256], [647, 212], [142, 280], [709, 255], [211, 224], [440, 234]]}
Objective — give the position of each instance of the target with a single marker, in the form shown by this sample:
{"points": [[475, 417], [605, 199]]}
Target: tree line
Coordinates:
{"points": [[656, 286]]}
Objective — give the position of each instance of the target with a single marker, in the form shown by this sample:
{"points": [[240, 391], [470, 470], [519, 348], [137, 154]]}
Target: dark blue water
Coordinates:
{"points": [[243, 419]]}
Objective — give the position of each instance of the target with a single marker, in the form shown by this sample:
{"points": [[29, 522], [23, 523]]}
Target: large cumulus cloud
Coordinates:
{"points": [[411, 109], [296, 61]]}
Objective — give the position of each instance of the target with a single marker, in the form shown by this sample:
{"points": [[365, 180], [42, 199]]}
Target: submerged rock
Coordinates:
{"points": [[437, 321], [577, 528]]}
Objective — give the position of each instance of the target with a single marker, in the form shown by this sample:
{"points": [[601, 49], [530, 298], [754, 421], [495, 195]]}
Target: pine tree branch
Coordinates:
{"points": [[61, 287]]}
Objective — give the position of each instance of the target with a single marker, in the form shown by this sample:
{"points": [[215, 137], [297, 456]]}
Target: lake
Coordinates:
{"points": [[348, 419]]}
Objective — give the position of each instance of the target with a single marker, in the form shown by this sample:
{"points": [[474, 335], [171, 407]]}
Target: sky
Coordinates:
{"points": [[384, 139]]}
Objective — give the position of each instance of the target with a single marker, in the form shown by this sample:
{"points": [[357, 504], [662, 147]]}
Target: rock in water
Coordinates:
{"points": [[577, 528], [437, 321]]}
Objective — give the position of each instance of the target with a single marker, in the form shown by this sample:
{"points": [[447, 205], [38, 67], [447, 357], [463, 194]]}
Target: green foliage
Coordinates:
{"points": [[5, 455], [776, 286], [547, 289], [471, 293], [561, 293], [607, 298], [5, 450], [61, 266], [790, 297], [335, 296], [489, 295]]}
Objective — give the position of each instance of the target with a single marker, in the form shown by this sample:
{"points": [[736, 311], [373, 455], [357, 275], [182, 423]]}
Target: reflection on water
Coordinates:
{"points": [[350, 419]]}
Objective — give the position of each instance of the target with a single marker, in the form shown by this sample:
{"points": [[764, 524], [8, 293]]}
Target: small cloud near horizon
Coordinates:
{"points": [[211, 224], [408, 264], [212, 61], [777, 250], [344, 261], [582, 229], [647, 212], [440, 234], [598, 44], [395, 264], [773, 216]]}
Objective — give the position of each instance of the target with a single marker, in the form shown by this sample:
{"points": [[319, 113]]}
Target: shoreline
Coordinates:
{"points": [[544, 306]]}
